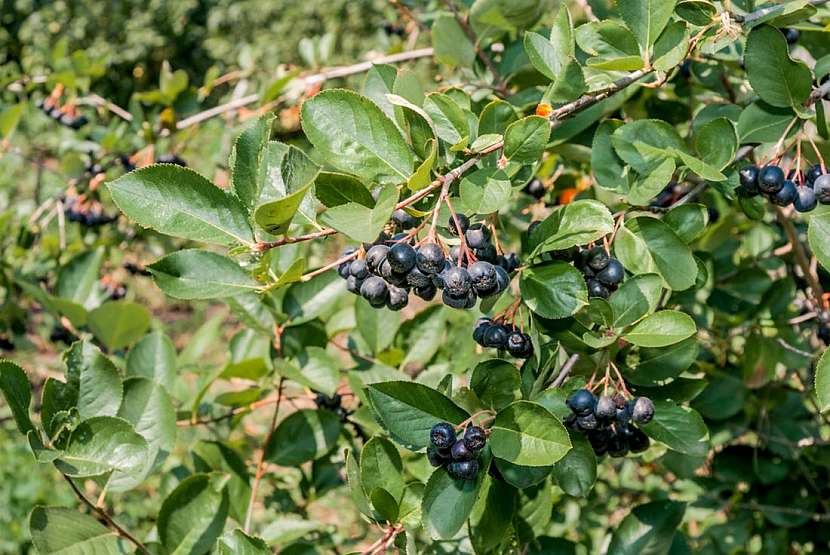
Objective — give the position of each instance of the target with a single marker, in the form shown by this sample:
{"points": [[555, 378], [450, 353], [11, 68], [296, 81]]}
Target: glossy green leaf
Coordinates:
{"points": [[103, 444], [662, 328], [57, 530], [178, 201], [381, 467], [526, 433], [553, 290], [245, 159], [239, 543], [360, 222], [576, 472], [646, 18], [525, 140], [303, 436], [648, 529], [680, 428], [452, 47], [647, 245], [772, 73], [154, 357], [577, 223], [193, 516], [822, 383], [119, 323], [447, 503], [485, 190], [14, 384]]}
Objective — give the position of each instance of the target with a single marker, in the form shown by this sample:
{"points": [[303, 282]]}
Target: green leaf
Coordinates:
{"points": [[495, 117], [381, 467], [103, 444], [306, 300], [763, 123], [576, 472], [696, 12], [178, 201], [450, 119], [607, 39], [680, 428], [645, 143], [647, 245], [492, 516], [662, 328], [525, 140], [817, 234], [148, 407], [452, 47], [688, 221], [119, 323], [317, 370], [56, 530], [355, 136], [78, 280], [777, 78], [18, 394], [672, 46], [359, 222], [624, 63], [377, 326], [496, 382], [698, 166], [239, 543], [647, 186], [608, 169], [526, 433], [648, 530], [284, 197], [822, 381], [92, 386], [448, 501], [577, 223], [423, 174], [154, 357], [569, 86], [662, 363], [553, 290], [200, 274], [303, 436], [486, 190], [334, 189], [245, 158], [542, 55], [193, 516], [646, 18], [635, 298], [409, 410], [717, 142]]}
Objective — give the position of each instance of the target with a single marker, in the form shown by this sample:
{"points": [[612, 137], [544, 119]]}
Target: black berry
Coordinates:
{"points": [[805, 199], [475, 438], [401, 257], [430, 258], [375, 290], [581, 402], [786, 195], [612, 274], [442, 435], [770, 179], [466, 470], [643, 410], [749, 180], [463, 222]]}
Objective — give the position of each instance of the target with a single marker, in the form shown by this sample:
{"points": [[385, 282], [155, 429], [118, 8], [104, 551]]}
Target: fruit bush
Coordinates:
{"points": [[539, 279]]}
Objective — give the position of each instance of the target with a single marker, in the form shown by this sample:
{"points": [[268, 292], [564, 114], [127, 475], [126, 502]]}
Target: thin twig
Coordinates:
{"points": [[260, 468], [482, 55], [105, 516], [565, 371], [801, 258]]}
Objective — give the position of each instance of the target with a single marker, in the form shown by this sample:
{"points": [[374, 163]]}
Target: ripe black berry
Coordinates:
{"points": [[434, 457], [401, 257], [791, 35], [480, 328], [403, 219], [805, 199], [638, 441], [535, 188], [430, 258], [427, 292], [483, 278], [606, 409], [466, 470], [612, 274], [463, 222], [454, 301], [477, 236], [456, 281], [519, 345], [398, 298], [375, 290], [812, 174], [617, 446], [375, 257], [488, 253], [581, 402], [442, 435], [495, 337], [475, 438], [353, 285], [359, 269], [460, 452], [502, 278], [597, 289], [786, 195], [822, 188], [643, 410], [416, 278], [587, 422], [749, 180], [598, 259], [770, 179]]}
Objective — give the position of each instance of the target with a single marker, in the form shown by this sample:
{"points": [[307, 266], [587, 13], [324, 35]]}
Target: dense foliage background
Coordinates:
{"points": [[187, 373]]}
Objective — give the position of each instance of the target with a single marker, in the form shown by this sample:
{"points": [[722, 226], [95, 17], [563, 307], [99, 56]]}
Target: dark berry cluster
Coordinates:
{"points": [[459, 456], [535, 188], [804, 190], [65, 116], [333, 403], [495, 334], [602, 272], [609, 422], [113, 288], [385, 272], [88, 212]]}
